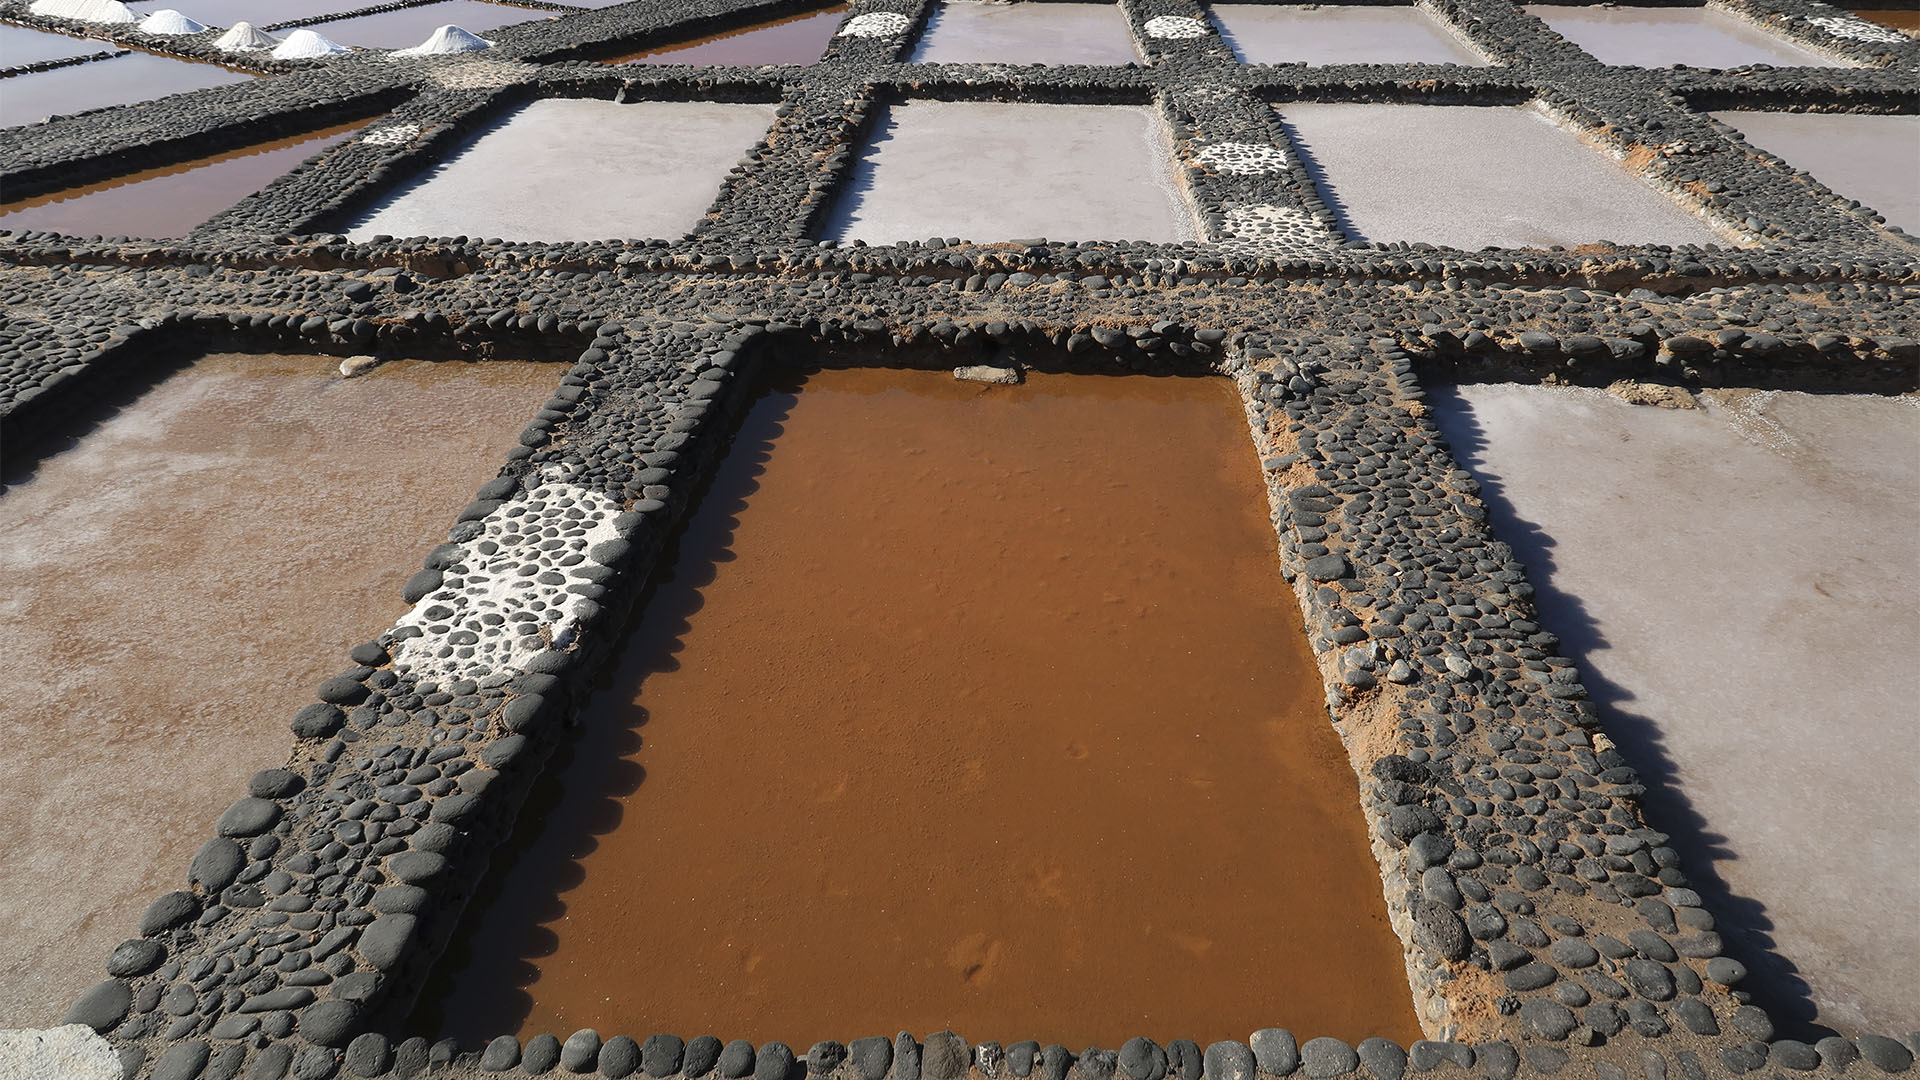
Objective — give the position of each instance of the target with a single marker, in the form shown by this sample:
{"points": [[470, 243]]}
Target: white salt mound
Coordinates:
{"points": [[447, 39], [72, 1052], [305, 44], [170, 23], [93, 11], [244, 38]]}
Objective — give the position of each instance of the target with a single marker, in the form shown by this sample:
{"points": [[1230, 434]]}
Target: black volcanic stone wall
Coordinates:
{"points": [[1549, 928]]}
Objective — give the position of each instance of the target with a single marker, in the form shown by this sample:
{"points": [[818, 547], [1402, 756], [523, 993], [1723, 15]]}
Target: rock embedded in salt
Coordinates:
{"points": [[170, 23]]}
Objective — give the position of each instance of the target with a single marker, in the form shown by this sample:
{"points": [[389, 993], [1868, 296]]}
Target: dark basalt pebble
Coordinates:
{"points": [[248, 817], [1886, 1054], [1228, 1060], [774, 1061], [171, 910], [1383, 1057], [736, 1060], [542, 1053], [1275, 1051], [1142, 1059], [873, 1056], [824, 1057], [662, 1055], [1094, 1063], [501, 1054], [135, 956], [102, 1007], [368, 1055], [620, 1057], [944, 1056], [703, 1054], [581, 1051], [1327, 1057], [1184, 1059]]}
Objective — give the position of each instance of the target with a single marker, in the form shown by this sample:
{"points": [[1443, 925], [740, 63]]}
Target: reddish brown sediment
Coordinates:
{"points": [[171, 200], [176, 585], [799, 39], [968, 707], [1908, 20]]}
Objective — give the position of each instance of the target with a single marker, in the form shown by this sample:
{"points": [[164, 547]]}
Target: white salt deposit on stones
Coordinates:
{"points": [[1244, 158], [1175, 27], [306, 45], [447, 39], [1265, 229], [72, 1052], [93, 11], [1848, 26], [876, 24], [244, 38], [392, 135], [170, 23], [504, 597]]}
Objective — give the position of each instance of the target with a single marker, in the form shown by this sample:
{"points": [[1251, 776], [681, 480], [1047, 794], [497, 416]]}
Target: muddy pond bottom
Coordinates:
{"points": [[967, 707], [179, 580]]}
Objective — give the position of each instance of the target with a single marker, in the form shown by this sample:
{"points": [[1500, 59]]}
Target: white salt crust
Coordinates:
{"points": [[93, 11], [1847, 26], [504, 597], [306, 45], [1176, 27], [391, 136], [480, 74], [170, 23], [244, 38], [1244, 158], [1265, 229], [448, 39], [876, 24], [72, 1052]]}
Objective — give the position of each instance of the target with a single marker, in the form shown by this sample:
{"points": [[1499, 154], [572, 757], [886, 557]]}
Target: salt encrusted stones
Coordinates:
{"points": [[876, 24], [1266, 229], [1175, 27], [392, 135], [1847, 26], [503, 597], [1244, 158]]}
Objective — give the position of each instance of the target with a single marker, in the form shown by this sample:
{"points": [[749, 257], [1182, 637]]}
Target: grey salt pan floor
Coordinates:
{"points": [[1738, 585]]}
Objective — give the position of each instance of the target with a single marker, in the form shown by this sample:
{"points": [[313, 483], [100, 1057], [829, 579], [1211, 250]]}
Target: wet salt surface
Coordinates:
{"points": [[569, 169], [96, 84], [407, 27], [971, 32], [990, 171], [177, 584], [963, 706], [171, 200], [20, 46], [1875, 159], [800, 39], [1270, 34], [1661, 37], [1393, 172], [1738, 586]]}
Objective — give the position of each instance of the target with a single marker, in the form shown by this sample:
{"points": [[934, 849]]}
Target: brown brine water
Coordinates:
{"points": [[962, 706], [177, 583], [171, 200], [799, 39]]}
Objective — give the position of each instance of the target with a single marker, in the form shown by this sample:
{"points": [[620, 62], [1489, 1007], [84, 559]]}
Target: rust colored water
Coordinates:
{"points": [[97, 84], [1907, 20], [177, 584], [970, 707], [799, 39], [171, 200]]}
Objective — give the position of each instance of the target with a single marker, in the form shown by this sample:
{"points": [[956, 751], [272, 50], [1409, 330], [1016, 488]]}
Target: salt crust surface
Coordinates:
{"points": [[244, 38], [876, 24], [305, 44], [93, 11], [1175, 27], [1244, 158], [1848, 26], [170, 23], [72, 1052], [390, 136], [504, 597]]}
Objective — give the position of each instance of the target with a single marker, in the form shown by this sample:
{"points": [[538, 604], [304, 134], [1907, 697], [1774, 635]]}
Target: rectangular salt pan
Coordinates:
{"points": [[1737, 583], [568, 169], [98, 84], [991, 171], [406, 27], [20, 46], [1337, 34], [800, 39], [1472, 176], [1653, 37], [1875, 159], [970, 32]]}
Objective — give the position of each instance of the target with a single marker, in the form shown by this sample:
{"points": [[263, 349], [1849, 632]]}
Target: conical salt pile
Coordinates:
{"points": [[244, 38], [447, 39], [305, 45], [170, 23], [93, 11]]}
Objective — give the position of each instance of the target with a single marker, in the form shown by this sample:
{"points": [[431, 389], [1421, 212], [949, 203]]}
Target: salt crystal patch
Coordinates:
{"points": [[244, 38], [93, 11], [170, 23], [72, 1052], [305, 44], [447, 39]]}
